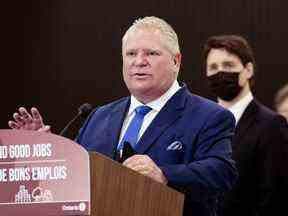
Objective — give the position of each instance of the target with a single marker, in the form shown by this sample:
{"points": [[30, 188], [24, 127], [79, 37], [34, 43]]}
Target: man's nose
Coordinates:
{"points": [[141, 60]]}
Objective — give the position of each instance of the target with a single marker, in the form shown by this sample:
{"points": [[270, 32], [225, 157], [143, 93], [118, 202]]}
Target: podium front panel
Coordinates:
{"points": [[43, 174]]}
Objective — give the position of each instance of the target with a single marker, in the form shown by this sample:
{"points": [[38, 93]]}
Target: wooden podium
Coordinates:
{"points": [[119, 191], [49, 175]]}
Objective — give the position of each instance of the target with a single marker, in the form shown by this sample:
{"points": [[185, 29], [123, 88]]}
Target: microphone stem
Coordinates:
{"points": [[69, 124]]}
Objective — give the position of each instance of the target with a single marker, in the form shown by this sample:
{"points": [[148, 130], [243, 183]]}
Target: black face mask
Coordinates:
{"points": [[225, 85]]}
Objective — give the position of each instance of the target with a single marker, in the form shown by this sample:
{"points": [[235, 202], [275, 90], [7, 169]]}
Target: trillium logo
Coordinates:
{"points": [[82, 206]]}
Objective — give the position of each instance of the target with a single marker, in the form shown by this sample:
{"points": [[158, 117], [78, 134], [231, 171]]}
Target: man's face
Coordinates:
{"points": [[149, 69], [283, 108], [222, 60]]}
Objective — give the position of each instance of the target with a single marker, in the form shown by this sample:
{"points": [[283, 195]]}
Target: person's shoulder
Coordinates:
{"points": [[206, 109], [114, 104], [270, 125], [195, 101], [209, 114], [108, 108], [205, 104], [265, 115]]}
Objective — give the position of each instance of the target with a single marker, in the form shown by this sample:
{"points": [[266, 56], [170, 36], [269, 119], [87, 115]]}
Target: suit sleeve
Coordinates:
{"points": [[212, 170]]}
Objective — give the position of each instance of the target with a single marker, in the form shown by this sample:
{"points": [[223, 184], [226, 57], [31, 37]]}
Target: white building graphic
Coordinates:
{"points": [[38, 195], [23, 195]]}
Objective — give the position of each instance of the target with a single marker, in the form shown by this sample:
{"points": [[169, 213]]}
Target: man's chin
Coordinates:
{"points": [[140, 91], [143, 94]]}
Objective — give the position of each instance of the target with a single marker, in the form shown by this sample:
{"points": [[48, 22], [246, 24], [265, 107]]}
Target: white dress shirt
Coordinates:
{"points": [[156, 106], [238, 108]]}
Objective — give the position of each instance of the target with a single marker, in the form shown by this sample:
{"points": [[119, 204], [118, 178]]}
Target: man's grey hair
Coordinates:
{"points": [[169, 36]]}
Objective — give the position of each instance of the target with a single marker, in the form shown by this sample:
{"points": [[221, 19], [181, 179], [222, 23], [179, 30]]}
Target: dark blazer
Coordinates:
{"points": [[258, 149], [200, 166]]}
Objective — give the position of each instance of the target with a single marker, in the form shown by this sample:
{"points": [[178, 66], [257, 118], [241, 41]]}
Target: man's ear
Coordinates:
{"points": [[250, 70], [177, 60]]}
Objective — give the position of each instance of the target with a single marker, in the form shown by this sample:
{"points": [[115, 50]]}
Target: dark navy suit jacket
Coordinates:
{"points": [[260, 151], [189, 139]]}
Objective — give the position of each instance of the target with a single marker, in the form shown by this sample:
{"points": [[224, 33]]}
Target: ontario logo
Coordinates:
{"points": [[81, 207]]}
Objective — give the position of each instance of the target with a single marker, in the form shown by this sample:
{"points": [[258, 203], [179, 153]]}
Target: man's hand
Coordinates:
{"points": [[26, 121], [146, 166]]}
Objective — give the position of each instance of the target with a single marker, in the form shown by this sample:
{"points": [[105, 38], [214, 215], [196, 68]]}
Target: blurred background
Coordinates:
{"points": [[59, 54]]}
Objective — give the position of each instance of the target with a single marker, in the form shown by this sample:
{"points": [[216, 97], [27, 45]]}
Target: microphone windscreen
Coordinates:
{"points": [[85, 109]]}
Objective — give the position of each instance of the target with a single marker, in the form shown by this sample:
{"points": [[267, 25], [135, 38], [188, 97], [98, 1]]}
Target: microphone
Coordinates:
{"points": [[83, 111]]}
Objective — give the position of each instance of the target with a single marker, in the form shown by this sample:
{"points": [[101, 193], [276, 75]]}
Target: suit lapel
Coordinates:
{"points": [[167, 115], [245, 121], [115, 123]]}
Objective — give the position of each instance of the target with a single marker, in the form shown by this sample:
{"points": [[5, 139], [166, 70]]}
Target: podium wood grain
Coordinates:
{"points": [[119, 191]]}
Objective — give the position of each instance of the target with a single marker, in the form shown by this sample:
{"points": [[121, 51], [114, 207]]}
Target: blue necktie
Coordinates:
{"points": [[131, 134]]}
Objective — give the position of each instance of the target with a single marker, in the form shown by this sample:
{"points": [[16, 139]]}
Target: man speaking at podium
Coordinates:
{"points": [[179, 139]]}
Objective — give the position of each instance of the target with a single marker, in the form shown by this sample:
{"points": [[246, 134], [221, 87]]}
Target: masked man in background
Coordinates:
{"points": [[259, 142]]}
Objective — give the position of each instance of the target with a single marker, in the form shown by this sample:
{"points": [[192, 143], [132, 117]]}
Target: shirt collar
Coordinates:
{"points": [[158, 103], [238, 108]]}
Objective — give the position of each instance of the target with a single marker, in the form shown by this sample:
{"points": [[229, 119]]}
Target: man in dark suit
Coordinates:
{"points": [[259, 142], [182, 140]]}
